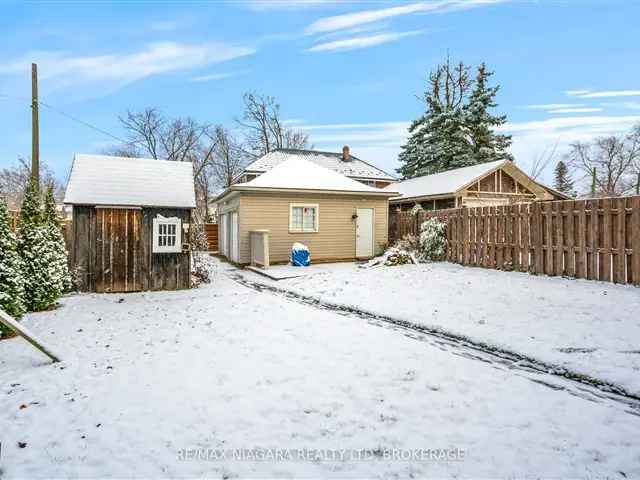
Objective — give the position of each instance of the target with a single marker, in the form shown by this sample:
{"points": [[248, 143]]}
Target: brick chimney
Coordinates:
{"points": [[345, 153]]}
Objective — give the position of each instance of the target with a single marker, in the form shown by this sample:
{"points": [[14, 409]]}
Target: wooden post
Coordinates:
{"points": [[35, 127], [21, 330]]}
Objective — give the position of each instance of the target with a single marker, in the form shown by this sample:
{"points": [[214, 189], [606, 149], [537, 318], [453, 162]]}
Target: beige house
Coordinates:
{"points": [[297, 200], [485, 184]]}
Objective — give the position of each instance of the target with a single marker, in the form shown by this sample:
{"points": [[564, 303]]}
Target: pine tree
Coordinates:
{"points": [[11, 282], [44, 278], [563, 182], [51, 218], [437, 139], [457, 129], [487, 146]]}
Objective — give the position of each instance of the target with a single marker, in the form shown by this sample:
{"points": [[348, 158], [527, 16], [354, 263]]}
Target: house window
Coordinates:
{"points": [[167, 235], [303, 217]]}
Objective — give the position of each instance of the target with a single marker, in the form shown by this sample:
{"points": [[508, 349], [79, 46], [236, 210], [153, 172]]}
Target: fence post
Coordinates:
{"points": [[635, 240], [619, 241]]}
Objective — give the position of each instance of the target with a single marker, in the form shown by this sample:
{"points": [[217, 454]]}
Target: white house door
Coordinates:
{"points": [[222, 234], [235, 253], [364, 232]]}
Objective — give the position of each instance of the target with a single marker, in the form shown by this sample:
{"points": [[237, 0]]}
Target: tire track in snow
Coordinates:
{"points": [[576, 384]]}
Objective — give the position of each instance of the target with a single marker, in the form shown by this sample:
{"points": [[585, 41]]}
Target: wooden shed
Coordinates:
{"points": [[130, 223], [483, 185]]}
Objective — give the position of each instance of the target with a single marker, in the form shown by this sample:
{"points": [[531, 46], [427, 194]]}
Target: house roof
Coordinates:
{"points": [[444, 182], [298, 174], [121, 181], [353, 168]]}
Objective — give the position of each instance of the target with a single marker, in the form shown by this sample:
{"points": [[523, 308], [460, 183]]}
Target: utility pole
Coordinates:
{"points": [[638, 185], [35, 128], [593, 182]]}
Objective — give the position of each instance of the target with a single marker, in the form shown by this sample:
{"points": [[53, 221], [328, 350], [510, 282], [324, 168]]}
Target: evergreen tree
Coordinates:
{"points": [[11, 283], [56, 238], [487, 146], [437, 141], [457, 129], [44, 278], [563, 182]]}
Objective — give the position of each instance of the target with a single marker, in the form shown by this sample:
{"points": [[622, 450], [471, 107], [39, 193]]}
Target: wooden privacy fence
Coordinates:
{"points": [[211, 230], [595, 239]]}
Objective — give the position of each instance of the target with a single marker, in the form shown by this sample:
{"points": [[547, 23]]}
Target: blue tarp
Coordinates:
{"points": [[300, 257]]}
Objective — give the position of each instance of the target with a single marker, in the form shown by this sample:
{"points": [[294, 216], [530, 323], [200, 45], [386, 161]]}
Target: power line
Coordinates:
{"points": [[69, 116], [82, 122]]}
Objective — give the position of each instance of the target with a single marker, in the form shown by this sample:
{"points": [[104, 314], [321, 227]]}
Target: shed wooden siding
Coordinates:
{"points": [[336, 237], [112, 251]]}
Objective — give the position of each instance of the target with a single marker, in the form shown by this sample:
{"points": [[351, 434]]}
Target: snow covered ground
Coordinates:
{"points": [[589, 327], [150, 378]]}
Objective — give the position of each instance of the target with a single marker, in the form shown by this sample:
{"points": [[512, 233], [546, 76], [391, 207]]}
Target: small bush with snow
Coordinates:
{"points": [[11, 281], [433, 240], [42, 250]]}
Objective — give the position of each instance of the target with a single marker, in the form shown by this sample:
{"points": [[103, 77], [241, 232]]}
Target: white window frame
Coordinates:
{"points": [[316, 226], [160, 220]]}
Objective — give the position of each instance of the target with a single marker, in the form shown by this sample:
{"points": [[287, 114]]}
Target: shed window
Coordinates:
{"points": [[303, 217], [167, 237]]}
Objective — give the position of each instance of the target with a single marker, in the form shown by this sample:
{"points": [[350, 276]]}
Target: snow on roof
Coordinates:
{"points": [[441, 183], [106, 180], [353, 168], [300, 174]]}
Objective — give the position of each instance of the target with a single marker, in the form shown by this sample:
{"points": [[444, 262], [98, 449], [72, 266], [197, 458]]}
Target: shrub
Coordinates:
{"points": [[41, 247], [433, 240], [11, 282]]}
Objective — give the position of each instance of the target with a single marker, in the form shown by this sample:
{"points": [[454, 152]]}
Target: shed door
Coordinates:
{"points": [[364, 232], [233, 237], [222, 234], [118, 250]]}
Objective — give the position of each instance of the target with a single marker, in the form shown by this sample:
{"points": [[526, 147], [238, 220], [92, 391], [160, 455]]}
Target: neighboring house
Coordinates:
{"points": [[343, 163], [300, 201], [130, 222], [486, 184]]}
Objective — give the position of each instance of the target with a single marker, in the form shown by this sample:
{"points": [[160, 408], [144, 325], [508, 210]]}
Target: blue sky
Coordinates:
{"points": [[346, 72]]}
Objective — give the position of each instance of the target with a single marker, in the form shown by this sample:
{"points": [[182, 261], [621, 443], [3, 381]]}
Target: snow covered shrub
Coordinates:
{"points": [[200, 268], [43, 253], [11, 283], [409, 242], [433, 240], [58, 245], [398, 256], [198, 237], [417, 208]]}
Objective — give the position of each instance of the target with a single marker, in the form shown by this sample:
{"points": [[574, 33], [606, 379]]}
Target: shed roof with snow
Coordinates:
{"points": [[352, 167], [444, 182], [122, 181], [453, 181]]}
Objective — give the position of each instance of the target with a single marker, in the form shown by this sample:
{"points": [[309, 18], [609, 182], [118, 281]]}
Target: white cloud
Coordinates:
{"points": [[603, 94], [361, 42], [534, 137], [350, 20], [216, 76], [551, 106], [62, 69], [573, 93], [576, 110], [627, 105]]}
